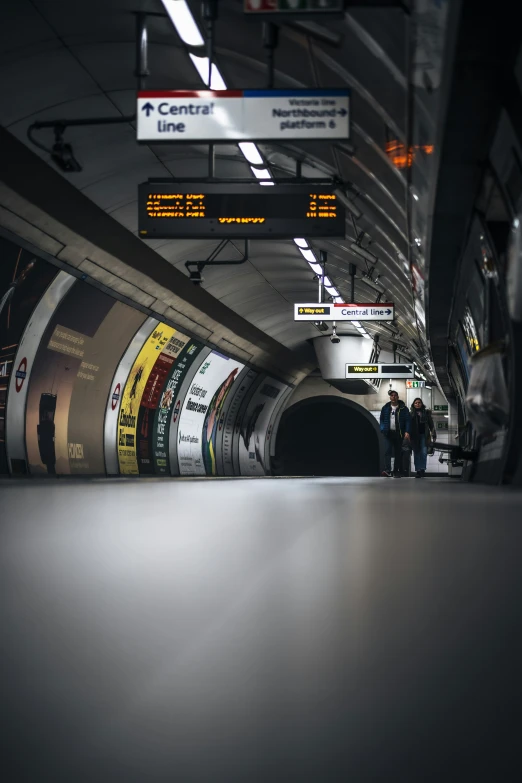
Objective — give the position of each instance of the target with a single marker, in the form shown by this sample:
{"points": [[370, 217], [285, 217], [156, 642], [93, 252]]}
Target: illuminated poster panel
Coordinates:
{"points": [[70, 382], [253, 460], [201, 412], [168, 397], [227, 422], [23, 280], [19, 379], [132, 394], [112, 410], [163, 365]]}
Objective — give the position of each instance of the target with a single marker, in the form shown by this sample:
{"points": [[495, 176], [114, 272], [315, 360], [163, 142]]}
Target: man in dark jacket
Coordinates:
{"points": [[395, 426]]}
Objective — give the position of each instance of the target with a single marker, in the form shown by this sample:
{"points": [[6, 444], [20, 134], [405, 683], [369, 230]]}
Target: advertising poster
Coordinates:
{"points": [[19, 380], [131, 398], [163, 366], [228, 421], [70, 381], [112, 410], [200, 414], [254, 427], [161, 427], [23, 280]]}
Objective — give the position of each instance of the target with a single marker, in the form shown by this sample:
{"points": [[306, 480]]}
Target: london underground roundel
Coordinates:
{"points": [[21, 375]]}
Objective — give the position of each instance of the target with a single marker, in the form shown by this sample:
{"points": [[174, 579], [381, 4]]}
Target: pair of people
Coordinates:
{"points": [[401, 426]]}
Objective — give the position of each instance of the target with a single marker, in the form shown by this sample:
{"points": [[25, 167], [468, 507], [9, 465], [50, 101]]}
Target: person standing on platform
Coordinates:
{"points": [[422, 435], [395, 426]]}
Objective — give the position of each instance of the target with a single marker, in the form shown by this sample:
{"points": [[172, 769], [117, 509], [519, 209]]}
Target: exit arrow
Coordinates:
{"points": [[147, 107], [388, 312], [342, 112]]}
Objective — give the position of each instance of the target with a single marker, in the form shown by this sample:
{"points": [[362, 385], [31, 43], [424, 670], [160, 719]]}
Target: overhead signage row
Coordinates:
{"points": [[380, 370], [242, 115], [336, 311], [415, 384], [211, 210]]}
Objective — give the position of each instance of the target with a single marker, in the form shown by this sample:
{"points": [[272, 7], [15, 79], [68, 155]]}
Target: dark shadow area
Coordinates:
{"points": [[328, 436]]}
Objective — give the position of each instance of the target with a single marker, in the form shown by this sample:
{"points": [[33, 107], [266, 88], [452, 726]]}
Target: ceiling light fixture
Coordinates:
{"points": [[251, 152], [182, 19], [308, 255], [261, 173], [216, 80], [299, 241]]}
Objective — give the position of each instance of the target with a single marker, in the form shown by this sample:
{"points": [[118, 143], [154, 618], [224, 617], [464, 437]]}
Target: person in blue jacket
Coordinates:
{"points": [[395, 426]]}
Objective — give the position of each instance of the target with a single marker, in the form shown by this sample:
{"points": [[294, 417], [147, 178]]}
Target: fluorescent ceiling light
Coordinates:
{"points": [[309, 255], [266, 182], [251, 152], [366, 336], [301, 242], [182, 19], [317, 268], [357, 324], [327, 282], [339, 300], [216, 81], [331, 290], [261, 173]]}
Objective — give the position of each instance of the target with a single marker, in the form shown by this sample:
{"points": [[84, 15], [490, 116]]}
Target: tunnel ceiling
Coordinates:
{"points": [[72, 59]]}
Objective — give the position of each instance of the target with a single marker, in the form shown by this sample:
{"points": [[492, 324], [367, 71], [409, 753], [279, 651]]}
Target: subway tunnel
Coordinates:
{"points": [[209, 568]]}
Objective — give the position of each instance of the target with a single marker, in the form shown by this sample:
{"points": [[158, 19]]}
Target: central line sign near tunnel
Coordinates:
{"points": [[344, 311], [243, 115]]}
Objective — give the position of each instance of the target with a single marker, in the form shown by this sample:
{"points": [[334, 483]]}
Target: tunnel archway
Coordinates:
{"points": [[328, 436]]}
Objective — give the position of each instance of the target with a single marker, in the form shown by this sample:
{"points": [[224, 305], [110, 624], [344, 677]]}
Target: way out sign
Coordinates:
{"points": [[344, 312], [242, 115], [380, 370]]}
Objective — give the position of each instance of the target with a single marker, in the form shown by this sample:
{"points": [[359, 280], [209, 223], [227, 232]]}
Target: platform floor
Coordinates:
{"points": [[260, 630]]}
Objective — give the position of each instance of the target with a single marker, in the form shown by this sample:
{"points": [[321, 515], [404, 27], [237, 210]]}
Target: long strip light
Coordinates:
{"points": [[189, 32], [216, 80], [185, 24], [251, 153]]}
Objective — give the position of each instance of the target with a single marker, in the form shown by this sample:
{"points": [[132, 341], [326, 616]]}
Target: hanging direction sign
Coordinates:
{"points": [[242, 115], [380, 370], [415, 384], [344, 312], [183, 209]]}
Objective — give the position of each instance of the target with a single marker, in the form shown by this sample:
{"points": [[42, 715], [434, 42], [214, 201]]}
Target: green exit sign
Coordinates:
{"points": [[442, 425], [441, 408]]}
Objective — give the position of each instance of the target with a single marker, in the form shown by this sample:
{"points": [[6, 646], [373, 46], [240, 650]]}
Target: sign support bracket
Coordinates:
{"points": [[195, 274]]}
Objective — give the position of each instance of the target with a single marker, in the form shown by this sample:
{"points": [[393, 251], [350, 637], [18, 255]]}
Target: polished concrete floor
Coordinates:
{"points": [[260, 630]]}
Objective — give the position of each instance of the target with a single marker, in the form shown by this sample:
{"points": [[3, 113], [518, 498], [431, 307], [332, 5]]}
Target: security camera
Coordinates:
{"points": [[62, 154], [334, 338], [195, 276]]}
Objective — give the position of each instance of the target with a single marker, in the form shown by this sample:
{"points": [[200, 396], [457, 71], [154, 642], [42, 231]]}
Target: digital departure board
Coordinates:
{"points": [[169, 210]]}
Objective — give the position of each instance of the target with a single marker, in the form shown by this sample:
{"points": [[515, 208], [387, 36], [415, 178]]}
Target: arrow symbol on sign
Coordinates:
{"points": [[388, 312], [342, 112], [147, 107]]}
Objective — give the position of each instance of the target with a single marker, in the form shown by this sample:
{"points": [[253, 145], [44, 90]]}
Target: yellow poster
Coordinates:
{"points": [[131, 398]]}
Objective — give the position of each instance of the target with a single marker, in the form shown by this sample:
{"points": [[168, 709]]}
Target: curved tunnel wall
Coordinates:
{"points": [[89, 385]]}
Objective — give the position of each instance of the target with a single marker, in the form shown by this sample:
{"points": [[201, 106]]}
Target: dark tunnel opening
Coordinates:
{"points": [[328, 436]]}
